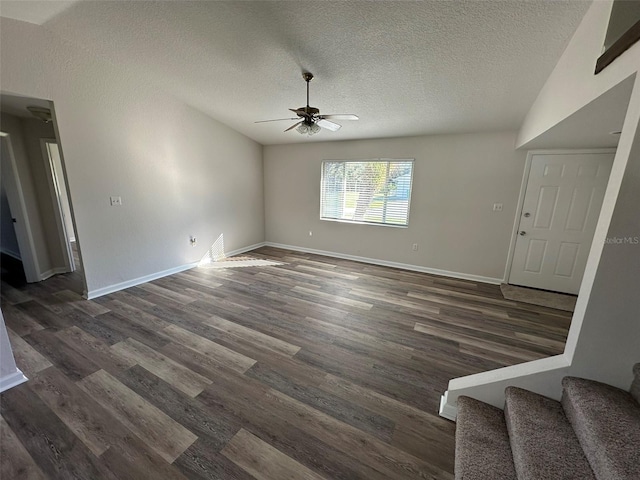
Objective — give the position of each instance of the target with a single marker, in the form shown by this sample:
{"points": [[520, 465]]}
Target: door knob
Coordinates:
{"points": [[527, 215], [522, 233]]}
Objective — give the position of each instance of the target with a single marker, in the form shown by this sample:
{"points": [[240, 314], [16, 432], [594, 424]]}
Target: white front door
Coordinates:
{"points": [[561, 206]]}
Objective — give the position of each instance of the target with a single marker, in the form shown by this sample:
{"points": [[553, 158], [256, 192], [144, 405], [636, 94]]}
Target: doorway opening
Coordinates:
{"points": [[38, 228]]}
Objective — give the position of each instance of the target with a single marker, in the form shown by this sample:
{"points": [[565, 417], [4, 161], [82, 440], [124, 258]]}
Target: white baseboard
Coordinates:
{"points": [[52, 272], [385, 263], [12, 380], [11, 254], [373, 261], [137, 281], [154, 276], [244, 249], [446, 410]]}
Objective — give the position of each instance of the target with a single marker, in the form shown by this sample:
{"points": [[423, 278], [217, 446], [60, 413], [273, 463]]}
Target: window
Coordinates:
{"points": [[372, 191]]}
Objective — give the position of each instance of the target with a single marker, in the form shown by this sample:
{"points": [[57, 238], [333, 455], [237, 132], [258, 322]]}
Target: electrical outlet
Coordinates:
{"points": [[497, 207], [414, 247], [193, 240], [115, 201]]}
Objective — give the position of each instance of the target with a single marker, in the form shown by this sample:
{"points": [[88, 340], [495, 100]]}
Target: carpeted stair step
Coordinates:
{"points": [[543, 443], [635, 386], [482, 443], [607, 423]]}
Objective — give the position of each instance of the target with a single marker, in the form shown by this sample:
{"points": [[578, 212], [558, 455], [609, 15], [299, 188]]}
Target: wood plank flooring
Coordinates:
{"points": [[315, 369]]}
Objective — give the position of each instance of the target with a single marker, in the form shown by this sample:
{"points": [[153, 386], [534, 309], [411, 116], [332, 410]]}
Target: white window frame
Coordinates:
{"points": [[389, 161]]}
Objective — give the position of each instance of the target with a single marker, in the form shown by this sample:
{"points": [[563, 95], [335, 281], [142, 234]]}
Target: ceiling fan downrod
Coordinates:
{"points": [[308, 76]]}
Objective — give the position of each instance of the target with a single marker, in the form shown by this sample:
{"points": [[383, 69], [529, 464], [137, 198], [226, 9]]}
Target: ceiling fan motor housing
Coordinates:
{"points": [[307, 112]]}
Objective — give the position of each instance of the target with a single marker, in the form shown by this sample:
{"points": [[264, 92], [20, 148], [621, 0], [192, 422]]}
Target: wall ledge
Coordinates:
{"points": [[524, 375], [512, 371]]}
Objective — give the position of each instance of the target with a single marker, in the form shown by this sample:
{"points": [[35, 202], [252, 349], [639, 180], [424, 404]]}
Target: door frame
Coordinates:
{"points": [[55, 201], [523, 191], [19, 211]]}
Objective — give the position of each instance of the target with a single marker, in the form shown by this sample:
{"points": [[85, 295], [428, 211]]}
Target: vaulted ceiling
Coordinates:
{"points": [[405, 68]]}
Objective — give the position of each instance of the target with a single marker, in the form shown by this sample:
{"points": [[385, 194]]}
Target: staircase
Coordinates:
{"points": [[593, 433]]}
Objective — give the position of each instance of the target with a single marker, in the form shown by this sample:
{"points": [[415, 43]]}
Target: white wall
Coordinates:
{"points": [[608, 342], [178, 171], [572, 84], [10, 374], [605, 330], [457, 179]]}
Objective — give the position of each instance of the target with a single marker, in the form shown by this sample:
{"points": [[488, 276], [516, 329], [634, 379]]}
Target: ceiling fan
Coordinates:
{"points": [[309, 119]]}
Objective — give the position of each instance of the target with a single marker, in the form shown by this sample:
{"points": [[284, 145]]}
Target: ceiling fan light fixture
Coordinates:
{"points": [[308, 129]]}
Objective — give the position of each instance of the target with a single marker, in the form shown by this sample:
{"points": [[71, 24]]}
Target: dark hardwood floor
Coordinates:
{"points": [[314, 369]]}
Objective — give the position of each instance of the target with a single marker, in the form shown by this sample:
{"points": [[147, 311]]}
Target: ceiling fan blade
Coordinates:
{"points": [[276, 120], [334, 127], [293, 126], [341, 116]]}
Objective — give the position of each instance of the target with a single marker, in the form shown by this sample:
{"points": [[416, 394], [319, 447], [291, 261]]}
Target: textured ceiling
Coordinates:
{"points": [[406, 68]]}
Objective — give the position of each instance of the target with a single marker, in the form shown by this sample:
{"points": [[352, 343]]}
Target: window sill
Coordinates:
{"points": [[356, 222]]}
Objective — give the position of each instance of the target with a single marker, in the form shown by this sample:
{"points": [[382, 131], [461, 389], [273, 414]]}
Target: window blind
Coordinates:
{"points": [[371, 191]]}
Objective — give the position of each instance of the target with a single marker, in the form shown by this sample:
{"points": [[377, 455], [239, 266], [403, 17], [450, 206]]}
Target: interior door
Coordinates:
{"points": [[18, 206], [59, 198], [561, 206]]}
